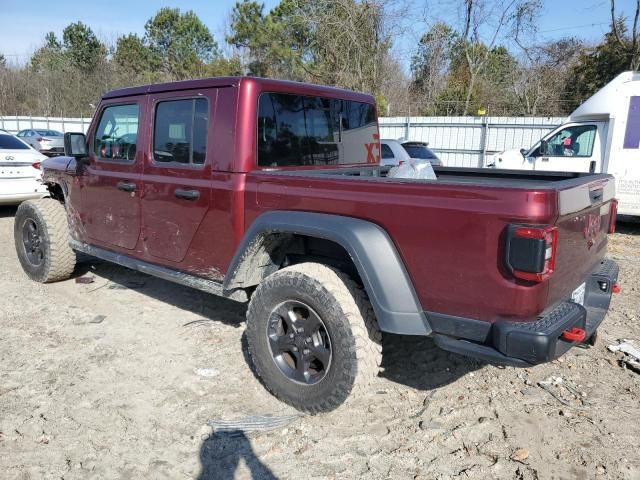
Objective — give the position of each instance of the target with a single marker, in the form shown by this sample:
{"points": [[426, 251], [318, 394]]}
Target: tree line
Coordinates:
{"points": [[490, 61]]}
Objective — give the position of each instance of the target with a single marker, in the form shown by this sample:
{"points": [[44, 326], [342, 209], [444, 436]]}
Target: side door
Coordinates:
{"points": [[574, 148], [112, 183], [177, 173]]}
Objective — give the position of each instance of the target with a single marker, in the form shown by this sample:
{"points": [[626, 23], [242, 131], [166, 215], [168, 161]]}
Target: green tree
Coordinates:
{"points": [[184, 44], [133, 55], [598, 66], [273, 44], [82, 47]]}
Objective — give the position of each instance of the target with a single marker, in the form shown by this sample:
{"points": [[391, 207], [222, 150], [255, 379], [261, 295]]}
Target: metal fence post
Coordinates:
{"points": [[483, 141], [407, 128]]}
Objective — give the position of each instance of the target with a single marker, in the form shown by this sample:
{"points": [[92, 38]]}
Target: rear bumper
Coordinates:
{"points": [[523, 344]]}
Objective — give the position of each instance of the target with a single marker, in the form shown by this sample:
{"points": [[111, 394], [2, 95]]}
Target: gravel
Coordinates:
{"points": [[133, 395]]}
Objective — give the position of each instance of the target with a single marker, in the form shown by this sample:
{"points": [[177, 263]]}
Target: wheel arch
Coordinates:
{"points": [[379, 266]]}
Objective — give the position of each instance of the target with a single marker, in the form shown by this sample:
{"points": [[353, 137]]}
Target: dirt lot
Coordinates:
{"points": [[118, 379]]}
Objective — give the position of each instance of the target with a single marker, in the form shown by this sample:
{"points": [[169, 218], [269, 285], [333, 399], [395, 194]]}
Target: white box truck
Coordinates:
{"points": [[601, 135]]}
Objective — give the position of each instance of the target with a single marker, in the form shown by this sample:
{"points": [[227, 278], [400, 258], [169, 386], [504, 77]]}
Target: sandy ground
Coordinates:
{"points": [[118, 379]]}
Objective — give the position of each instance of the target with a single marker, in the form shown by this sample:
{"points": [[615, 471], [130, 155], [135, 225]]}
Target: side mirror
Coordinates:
{"points": [[75, 145], [543, 147]]}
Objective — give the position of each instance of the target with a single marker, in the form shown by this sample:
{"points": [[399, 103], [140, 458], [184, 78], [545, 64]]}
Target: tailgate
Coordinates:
{"points": [[583, 225]]}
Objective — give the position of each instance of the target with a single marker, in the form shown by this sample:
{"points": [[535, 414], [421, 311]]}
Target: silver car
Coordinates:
{"points": [[49, 142]]}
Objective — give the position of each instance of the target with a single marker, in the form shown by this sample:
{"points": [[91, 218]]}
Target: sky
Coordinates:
{"points": [[23, 25]]}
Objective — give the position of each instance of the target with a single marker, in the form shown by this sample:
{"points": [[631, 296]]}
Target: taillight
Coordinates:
{"points": [[531, 251], [613, 213], [36, 165]]}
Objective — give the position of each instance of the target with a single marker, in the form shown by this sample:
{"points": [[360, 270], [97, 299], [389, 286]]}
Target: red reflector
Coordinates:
{"points": [[613, 213], [616, 288], [574, 335], [36, 165]]}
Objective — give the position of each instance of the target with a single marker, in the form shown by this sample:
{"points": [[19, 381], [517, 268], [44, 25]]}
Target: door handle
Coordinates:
{"points": [[126, 186], [187, 194]]}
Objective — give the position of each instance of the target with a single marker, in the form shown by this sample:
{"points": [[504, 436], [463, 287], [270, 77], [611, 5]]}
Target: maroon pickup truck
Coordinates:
{"points": [[271, 192]]}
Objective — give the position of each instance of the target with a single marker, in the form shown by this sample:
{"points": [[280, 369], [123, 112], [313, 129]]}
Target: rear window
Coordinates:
{"points": [[420, 151], [297, 130], [386, 151], [9, 142], [48, 133]]}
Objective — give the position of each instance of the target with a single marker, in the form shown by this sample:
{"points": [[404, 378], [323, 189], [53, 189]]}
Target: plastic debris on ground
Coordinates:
{"points": [[255, 423], [206, 372], [631, 351], [415, 169]]}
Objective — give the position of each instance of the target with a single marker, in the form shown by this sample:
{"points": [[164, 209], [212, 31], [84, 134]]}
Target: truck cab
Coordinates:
{"points": [[601, 136]]}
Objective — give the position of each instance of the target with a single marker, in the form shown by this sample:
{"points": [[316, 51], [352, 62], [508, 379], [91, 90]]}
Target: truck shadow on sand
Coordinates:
{"points": [[7, 211], [408, 360], [419, 363], [209, 307]]}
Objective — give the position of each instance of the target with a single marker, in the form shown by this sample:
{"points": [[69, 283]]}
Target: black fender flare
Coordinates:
{"points": [[372, 251]]}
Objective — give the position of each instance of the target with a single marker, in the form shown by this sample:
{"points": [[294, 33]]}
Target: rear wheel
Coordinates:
{"points": [[41, 235], [312, 336]]}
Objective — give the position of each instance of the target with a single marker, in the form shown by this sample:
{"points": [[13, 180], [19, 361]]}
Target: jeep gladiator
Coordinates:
{"points": [[271, 192]]}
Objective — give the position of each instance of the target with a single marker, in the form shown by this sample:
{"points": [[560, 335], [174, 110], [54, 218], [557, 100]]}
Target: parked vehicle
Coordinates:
{"points": [[421, 151], [395, 152], [392, 152], [255, 190], [19, 171], [49, 142], [601, 135]]}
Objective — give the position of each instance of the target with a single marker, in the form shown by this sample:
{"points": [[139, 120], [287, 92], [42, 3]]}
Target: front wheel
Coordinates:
{"points": [[312, 336], [41, 235]]}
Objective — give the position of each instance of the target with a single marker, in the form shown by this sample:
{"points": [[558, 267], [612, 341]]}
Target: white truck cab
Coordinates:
{"points": [[601, 135]]}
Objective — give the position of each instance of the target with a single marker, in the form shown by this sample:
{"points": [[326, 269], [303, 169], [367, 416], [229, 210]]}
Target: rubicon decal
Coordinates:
{"points": [[375, 145]]}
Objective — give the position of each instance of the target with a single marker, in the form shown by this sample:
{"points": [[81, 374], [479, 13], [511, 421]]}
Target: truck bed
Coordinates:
{"points": [[450, 231], [462, 176]]}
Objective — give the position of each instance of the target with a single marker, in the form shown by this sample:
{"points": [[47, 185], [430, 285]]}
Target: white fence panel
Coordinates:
{"points": [[62, 124], [467, 141]]}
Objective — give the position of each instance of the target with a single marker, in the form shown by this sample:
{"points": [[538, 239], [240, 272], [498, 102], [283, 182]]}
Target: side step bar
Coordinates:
{"points": [[186, 279]]}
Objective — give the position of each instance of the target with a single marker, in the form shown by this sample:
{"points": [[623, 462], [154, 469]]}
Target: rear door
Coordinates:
{"points": [[575, 148], [177, 174], [112, 183]]}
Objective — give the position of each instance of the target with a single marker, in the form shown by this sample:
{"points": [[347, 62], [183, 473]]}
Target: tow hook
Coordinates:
{"points": [[574, 335]]}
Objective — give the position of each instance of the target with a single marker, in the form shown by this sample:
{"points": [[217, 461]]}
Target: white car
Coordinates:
{"points": [[392, 153], [395, 152], [19, 171]]}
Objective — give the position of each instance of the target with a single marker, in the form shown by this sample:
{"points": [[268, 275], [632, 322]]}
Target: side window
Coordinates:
{"points": [[574, 141], [295, 130], [180, 131], [117, 133], [386, 151], [20, 133]]}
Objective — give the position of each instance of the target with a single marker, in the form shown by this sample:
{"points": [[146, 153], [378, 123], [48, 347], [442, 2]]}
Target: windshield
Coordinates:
{"points": [[9, 142], [48, 133], [420, 151]]}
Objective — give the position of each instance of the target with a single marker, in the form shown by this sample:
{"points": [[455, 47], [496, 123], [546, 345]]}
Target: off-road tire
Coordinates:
{"points": [[356, 341], [50, 219]]}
